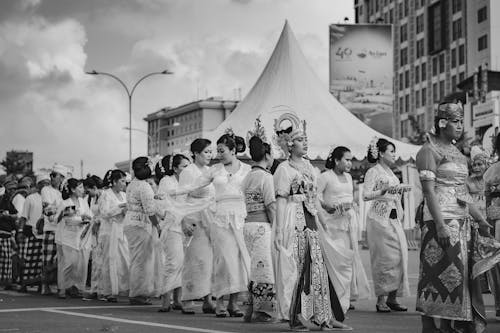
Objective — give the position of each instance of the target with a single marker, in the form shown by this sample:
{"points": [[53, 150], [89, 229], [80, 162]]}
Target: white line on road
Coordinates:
{"points": [[77, 308], [136, 322]]}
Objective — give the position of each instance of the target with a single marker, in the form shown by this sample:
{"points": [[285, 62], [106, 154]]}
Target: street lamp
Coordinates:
{"points": [[130, 93], [150, 137]]}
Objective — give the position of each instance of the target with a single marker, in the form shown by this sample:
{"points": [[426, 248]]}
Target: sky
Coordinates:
{"points": [[49, 106]]}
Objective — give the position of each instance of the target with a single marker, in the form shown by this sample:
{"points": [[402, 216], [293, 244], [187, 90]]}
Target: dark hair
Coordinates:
{"points": [[335, 155], [233, 142], [199, 145], [112, 176], [89, 182], [258, 149], [382, 145], [69, 187], [141, 168], [167, 164]]}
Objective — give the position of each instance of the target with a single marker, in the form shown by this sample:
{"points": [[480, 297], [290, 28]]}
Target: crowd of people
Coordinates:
{"points": [[285, 235]]}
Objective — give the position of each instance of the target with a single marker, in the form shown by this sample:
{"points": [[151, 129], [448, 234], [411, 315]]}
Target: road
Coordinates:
{"points": [[32, 313]]}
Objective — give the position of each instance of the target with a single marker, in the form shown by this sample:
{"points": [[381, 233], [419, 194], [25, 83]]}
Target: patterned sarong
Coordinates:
{"points": [[6, 253], [49, 257], [30, 251]]}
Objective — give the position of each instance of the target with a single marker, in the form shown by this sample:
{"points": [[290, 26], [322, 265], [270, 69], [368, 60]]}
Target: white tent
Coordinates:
{"points": [[288, 84]]}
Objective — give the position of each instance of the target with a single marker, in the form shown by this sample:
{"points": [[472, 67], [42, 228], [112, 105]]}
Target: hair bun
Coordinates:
{"points": [[240, 144]]}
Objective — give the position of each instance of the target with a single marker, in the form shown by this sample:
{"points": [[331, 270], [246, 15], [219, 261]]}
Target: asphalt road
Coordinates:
{"points": [[34, 313]]}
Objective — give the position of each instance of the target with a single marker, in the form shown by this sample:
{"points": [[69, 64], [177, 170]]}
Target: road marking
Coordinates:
{"points": [[77, 308], [9, 329], [136, 322]]}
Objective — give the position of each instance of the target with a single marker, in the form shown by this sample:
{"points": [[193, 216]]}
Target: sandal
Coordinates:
{"points": [[221, 314], [396, 307], [300, 328], [206, 309], [382, 308], [165, 309], [237, 313]]}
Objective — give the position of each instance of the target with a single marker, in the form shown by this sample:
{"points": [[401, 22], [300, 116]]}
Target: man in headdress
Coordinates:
{"points": [[51, 199], [29, 239]]}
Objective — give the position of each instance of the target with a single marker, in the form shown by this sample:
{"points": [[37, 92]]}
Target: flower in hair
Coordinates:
{"points": [[442, 123], [229, 131], [373, 148]]}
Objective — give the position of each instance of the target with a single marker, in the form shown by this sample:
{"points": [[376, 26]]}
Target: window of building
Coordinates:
{"points": [[424, 71], [453, 83], [420, 23], [401, 81], [436, 23], [403, 36], [421, 121], [482, 14], [453, 58], [461, 54], [407, 103], [482, 43], [456, 6], [461, 76], [417, 99], [404, 129], [407, 7], [376, 6], [420, 48], [457, 29], [401, 10], [417, 74], [404, 56], [434, 66], [401, 105], [407, 79], [391, 15], [441, 63], [441, 89], [424, 96], [435, 96]]}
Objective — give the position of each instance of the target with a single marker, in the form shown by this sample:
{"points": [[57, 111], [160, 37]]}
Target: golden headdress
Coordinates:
{"points": [[288, 127], [450, 111], [258, 131]]}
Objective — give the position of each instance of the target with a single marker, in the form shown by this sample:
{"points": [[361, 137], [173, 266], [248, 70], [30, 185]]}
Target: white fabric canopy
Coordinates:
{"points": [[288, 84]]}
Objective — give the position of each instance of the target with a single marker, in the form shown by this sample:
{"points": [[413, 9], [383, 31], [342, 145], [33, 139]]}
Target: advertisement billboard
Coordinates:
{"points": [[361, 72]]}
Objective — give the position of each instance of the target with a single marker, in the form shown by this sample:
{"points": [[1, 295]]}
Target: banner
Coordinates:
{"points": [[361, 72]]}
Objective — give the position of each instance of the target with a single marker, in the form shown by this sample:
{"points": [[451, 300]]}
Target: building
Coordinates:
{"points": [[437, 44], [171, 130]]}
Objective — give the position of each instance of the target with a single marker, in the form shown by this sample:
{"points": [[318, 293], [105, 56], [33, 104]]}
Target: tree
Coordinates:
{"points": [[16, 163]]}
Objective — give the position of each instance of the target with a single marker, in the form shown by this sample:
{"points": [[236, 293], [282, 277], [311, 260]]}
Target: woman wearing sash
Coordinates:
{"points": [[335, 191], [304, 291], [446, 289], [261, 209], [386, 238], [198, 254], [172, 237], [73, 240], [112, 206]]}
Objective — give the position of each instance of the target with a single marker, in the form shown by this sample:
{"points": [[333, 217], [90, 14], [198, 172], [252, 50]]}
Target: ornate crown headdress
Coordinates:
{"points": [[258, 131], [450, 111], [372, 148], [285, 136]]}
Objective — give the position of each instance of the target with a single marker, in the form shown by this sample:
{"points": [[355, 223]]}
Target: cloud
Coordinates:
{"points": [[49, 106]]}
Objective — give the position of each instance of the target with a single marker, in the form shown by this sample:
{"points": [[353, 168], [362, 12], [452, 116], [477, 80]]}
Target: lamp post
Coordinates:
{"points": [[150, 137], [130, 93]]}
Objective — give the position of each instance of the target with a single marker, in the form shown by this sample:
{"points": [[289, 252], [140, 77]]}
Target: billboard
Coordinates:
{"points": [[361, 72]]}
